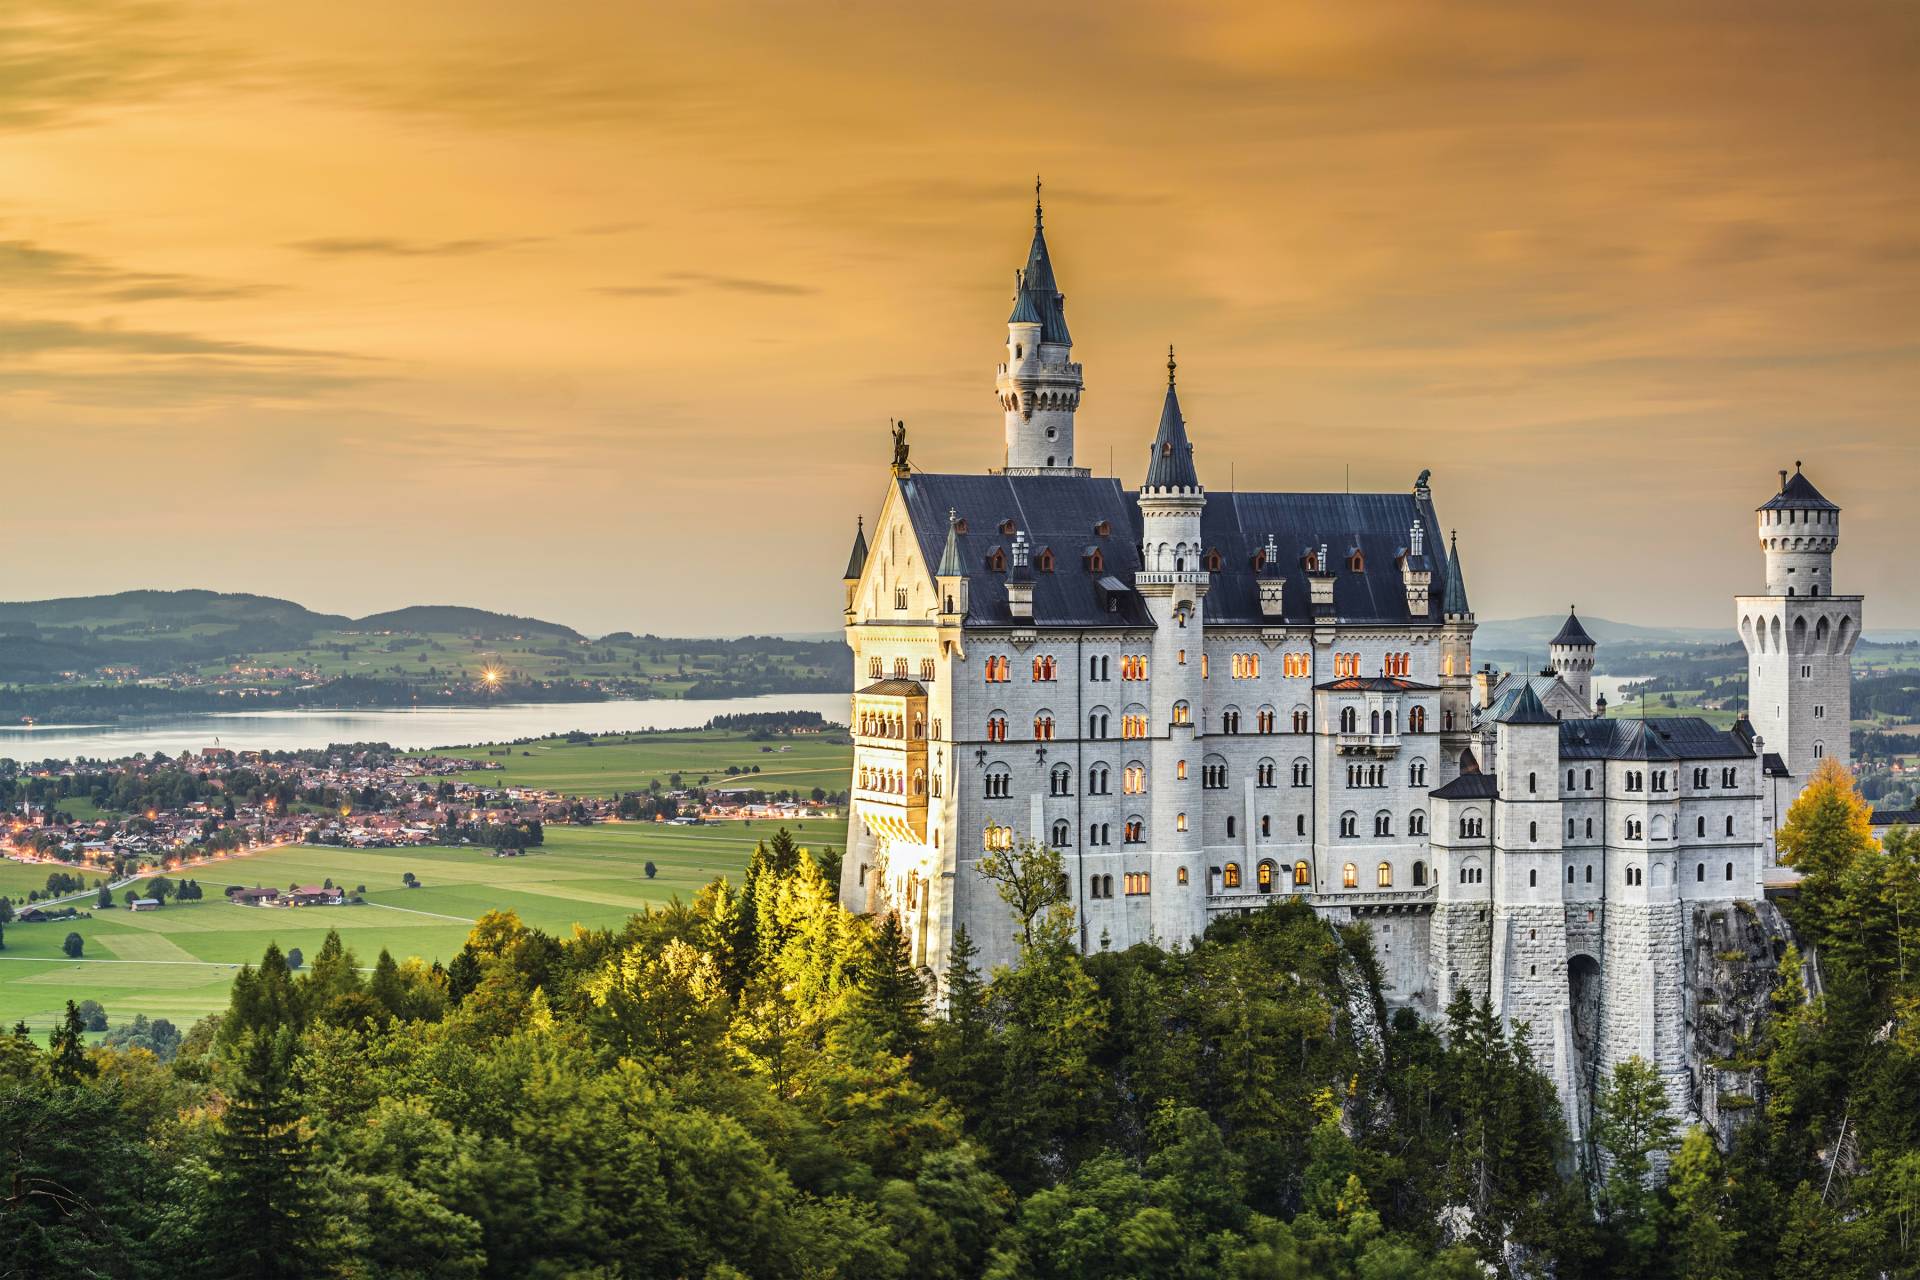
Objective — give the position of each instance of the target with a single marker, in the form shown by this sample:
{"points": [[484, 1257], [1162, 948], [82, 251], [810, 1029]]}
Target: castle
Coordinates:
{"points": [[1205, 699]]}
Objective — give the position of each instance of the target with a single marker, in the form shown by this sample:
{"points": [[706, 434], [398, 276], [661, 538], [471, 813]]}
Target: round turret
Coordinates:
{"points": [[1799, 530], [1570, 656]]}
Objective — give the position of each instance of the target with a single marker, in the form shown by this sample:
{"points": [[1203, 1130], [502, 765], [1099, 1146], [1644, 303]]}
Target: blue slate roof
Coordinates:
{"points": [[1526, 709], [857, 561], [1454, 598], [1572, 633], [1040, 295], [1170, 464], [1468, 786], [1660, 738], [1059, 513], [1376, 524], [1799, 494]]}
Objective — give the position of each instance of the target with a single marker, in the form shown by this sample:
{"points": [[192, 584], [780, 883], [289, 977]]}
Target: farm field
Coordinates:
{"points": [[627, 762], [179, 961]]}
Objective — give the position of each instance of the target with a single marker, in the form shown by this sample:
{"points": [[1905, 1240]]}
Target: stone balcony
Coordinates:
{"points": [[1379, 745]]}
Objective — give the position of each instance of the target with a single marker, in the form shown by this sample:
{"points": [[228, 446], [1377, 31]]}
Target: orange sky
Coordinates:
{"points": [[598, 311]]}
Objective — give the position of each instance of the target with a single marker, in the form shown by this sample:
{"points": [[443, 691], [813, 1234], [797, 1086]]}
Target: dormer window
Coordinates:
{"points": [[1356, 563], [1096, 562], [1044, 561], [996, 561], [1006, 527], [1102, 529], [1213, 562], [960, 525]]}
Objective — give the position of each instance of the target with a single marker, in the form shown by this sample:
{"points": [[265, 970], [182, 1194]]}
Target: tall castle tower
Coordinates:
{"points": [[1800, 635], [1174, 584], [1039, 384], [1570, 655]]}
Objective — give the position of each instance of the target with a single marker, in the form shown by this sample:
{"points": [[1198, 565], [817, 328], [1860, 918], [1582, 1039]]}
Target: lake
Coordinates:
{"points": [[406, 728]]}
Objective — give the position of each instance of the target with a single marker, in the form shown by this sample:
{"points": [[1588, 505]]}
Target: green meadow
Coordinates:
{"points": [[627, 762], [178, 962]]}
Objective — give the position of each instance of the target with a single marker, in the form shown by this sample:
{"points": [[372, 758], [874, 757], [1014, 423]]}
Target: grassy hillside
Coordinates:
{"points": [[628, 762], [178, 962]]}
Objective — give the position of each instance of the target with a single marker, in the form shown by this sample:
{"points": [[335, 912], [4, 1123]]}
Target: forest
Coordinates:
{"points": [[752, 1084]]}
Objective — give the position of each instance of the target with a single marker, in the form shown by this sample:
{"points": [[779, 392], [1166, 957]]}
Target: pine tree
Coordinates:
{"points": [[386, 986], [258, 1197], [890, 995], [1631, 1125], [68, 1061]]}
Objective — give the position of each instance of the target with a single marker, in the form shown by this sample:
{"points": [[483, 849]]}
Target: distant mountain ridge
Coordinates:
{"points": [[129, 609]]}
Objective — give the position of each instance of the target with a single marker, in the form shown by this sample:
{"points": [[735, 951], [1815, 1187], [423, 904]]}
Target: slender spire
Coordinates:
{"points": [[1036, 202], [857, 562], [1454, 601], [950, 558], [1171, 464]]}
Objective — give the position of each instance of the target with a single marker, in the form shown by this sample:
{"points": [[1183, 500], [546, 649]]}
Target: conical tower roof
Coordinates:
{"points": [[950, 566], [1454, 600], [1040, 297], [857, 562], [1572, 633], [1171, 464], [1797, 493]]}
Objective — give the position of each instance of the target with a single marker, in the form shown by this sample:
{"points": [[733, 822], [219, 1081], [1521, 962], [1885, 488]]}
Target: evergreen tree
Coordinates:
{"points": [[257, 1216], [1631, 1127], [889, 994], [67, 1061]]}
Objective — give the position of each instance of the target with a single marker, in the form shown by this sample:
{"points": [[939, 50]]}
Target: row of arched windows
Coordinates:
{"points": [[1383, 823], [893, 781]]}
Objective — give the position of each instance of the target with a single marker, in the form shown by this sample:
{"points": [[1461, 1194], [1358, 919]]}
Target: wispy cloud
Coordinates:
{"points": [[694, 281], [28, 265], [391, 247]]}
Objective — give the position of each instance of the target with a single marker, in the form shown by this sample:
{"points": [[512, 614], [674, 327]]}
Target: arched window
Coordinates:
{"points": [[1182, 713], [1062, 834], [999, 782], [1533, 782], [1179, 822], [1383, 875], [1729, 824], [997, 727], [1263, 877], [1349, 720], [1349, 824], [1302, 773], [1417, 720], [1533, 832], [1729, 871], [1302, 874], [1417, 823], [1417, 773], [1700, 872], [1350, 876], [1263, 773], [1060, 781], [1383, 823], [1419, 875], [1700, 825], [1230, 877], [1043, 727], [1302, 722], [1135, 831]]}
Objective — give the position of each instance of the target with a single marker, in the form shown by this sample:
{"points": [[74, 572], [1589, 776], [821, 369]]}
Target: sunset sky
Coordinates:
{"points": [[598, 312]]}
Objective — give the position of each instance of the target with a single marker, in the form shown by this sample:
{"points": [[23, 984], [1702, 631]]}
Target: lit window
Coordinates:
{"points": [[1179, 822], [1230, 877], [1350, 876], [1383, 875]]}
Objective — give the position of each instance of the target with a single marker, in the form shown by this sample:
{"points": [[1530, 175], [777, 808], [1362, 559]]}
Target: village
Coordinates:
{"points": [[166, 813]]}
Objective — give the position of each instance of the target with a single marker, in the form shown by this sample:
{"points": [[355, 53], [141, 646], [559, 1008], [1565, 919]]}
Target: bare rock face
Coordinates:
{"points": [[1732, 966]]}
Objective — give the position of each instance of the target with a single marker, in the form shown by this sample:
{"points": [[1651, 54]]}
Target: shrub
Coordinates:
{"points": [[74, 945]]}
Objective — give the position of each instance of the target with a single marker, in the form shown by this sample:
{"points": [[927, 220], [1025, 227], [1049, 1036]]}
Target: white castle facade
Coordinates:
{"points": [[1206, 700]]}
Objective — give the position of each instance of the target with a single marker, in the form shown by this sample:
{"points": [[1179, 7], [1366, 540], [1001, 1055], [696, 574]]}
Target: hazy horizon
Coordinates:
{"points": [[599, 314]]}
